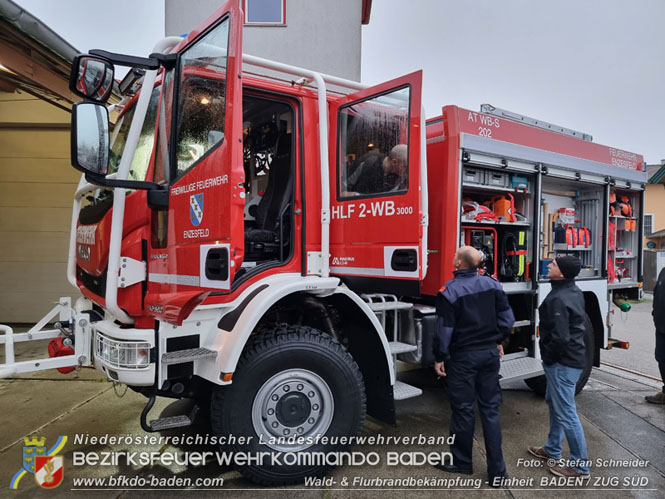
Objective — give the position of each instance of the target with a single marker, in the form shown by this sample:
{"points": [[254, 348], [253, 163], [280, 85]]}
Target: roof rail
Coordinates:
{"points": [[502, 113]]}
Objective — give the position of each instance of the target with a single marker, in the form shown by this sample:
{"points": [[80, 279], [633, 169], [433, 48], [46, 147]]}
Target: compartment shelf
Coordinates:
{"points": [[619, 254], [481, 187], [490, 222], [626, 283], [565, 247]]}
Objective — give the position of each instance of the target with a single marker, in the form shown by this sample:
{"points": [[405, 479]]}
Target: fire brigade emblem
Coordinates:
{"points": [[196, 208], [33, 448], [49, 471], [43, 463]]}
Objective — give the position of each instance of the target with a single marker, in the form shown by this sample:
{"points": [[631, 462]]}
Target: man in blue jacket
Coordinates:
{"points": [[473, 319]]}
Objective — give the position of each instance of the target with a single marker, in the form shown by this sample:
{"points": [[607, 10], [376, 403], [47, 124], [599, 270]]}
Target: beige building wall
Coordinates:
{"points": [[654, 202], [37, 185]]}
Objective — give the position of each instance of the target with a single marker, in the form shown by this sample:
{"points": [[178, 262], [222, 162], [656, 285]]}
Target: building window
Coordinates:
{"points": [[648, 223], [265, 12]]}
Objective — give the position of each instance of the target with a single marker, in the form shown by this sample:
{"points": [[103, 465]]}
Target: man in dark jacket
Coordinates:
{"points": [[563, 352], [473, 319], [659, 321], [367, 175]]}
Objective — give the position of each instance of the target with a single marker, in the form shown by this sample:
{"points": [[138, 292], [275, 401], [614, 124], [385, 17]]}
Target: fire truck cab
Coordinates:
{"points": [[270, 246]]}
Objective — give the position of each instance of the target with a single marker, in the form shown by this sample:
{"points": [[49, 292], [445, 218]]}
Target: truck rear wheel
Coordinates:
{"points": [[539, 383], [292, 385]]}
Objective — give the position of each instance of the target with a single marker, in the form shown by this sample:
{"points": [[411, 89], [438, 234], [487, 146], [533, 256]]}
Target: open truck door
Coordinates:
{"points": [[197, 239], [377, 208]]}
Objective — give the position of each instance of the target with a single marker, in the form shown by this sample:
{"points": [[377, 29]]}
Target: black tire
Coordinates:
{"points": [[321, 376], [539, 383]]}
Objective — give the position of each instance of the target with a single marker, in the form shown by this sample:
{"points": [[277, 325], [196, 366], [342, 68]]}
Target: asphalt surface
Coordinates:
{"points": [[617, 422], [636, 327]]}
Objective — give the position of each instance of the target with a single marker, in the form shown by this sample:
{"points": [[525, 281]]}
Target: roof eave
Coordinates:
{"points": [[658, 177]]}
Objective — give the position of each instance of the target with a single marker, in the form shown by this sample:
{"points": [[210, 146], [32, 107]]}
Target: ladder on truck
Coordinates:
{"points": [[385, 306], [514, 366]]}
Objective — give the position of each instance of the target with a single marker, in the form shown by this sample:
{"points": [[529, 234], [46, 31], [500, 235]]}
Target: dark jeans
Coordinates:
{"points": [[475, 376], [660, 354]]}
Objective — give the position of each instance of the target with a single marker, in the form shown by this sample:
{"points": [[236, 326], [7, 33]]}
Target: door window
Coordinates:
{"points": [[374, 151], [201, 107]]}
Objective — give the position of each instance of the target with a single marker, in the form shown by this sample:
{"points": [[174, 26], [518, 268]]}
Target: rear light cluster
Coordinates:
{"points": [[122, 354]]}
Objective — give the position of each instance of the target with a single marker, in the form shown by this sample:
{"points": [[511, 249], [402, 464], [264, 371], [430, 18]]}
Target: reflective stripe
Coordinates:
{"points": [[357, 270], [183, 280]]}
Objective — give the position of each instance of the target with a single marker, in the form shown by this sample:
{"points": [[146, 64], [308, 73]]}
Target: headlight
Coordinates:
{"points": [[123, 354]]}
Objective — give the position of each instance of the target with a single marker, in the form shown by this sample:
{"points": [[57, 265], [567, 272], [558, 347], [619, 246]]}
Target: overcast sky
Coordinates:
{"points": [[595, 66]]}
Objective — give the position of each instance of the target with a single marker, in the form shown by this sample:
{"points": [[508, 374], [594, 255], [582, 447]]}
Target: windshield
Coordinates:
{"points": [[141, 161], [139, 166]]}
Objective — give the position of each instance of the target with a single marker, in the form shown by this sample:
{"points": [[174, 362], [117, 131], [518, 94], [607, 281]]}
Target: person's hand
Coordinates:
{"points": [[439, 369], [500, 348]]}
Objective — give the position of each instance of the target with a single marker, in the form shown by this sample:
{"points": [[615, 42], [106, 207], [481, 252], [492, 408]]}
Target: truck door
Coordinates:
{"points": [[376, 232], [198, 243]]}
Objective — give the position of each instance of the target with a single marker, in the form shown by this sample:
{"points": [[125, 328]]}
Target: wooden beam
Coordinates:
{"points": [[37, 74], [5, 86]]}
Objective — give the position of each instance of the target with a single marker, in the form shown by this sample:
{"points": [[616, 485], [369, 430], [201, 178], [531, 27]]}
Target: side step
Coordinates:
{"points": [[168, 422], [520, 368], [397, 347], [179, 421], [403, 391], [189, 355], [381, 305]]}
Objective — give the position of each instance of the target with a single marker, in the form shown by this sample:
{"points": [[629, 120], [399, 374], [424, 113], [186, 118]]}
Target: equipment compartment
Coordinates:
{"points": [[572, 225], [623, 237], [497, 219]]}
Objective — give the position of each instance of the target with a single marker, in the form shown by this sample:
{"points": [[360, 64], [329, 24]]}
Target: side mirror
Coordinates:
{"points": [[91, 77], [90, 138]]}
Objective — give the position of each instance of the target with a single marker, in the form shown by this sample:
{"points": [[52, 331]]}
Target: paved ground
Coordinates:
{"points": [[617, 422], [636, 327]]}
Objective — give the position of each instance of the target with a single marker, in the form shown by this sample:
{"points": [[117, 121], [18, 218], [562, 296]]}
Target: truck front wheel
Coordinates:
{"points": [[539, 383], [294, 390]]}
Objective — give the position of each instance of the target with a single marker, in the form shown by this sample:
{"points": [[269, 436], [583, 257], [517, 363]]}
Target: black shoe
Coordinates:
{"points": [[451, 468], [495, 481]]}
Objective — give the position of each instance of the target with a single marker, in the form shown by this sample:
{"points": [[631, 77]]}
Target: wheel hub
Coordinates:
{"points": [[293, 403], [293, 409]]}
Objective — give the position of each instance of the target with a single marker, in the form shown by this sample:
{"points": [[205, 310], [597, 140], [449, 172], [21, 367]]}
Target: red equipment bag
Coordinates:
{"points": [[611, 274], [612, 237], [584, 237], [571, 236], [626, 208]]}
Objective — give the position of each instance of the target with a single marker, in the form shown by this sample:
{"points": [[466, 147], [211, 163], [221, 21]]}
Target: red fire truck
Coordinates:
{"points": [[270, 246]]}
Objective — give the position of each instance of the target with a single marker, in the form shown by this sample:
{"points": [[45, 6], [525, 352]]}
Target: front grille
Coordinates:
{"points": [[95, 284]]}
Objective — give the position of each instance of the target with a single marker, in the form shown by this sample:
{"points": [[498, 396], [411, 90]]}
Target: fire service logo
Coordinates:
{"points": [[48, 471], [196, 208], [45, 465]]}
